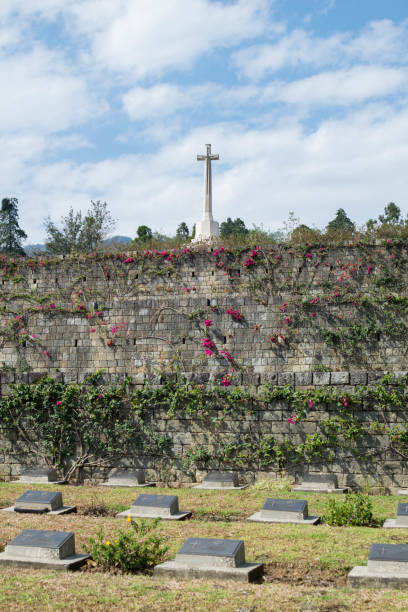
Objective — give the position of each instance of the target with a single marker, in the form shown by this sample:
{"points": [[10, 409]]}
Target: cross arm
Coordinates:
{"points": [[201, 157], [215, 156]]}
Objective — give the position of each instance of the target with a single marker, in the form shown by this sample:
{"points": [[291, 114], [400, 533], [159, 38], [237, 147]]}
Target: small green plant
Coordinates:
{"points": [[282, 483], [355, 510], [132, 550]]}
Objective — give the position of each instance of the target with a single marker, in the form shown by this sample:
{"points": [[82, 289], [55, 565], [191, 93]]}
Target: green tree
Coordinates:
{"points": [[182, 230], [79, 233], [233, 228], [340, 222], [144, 233], [11, 234], [391, 216]]}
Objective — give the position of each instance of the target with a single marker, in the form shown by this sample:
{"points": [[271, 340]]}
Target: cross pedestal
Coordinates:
{"points": [[207, 228]]}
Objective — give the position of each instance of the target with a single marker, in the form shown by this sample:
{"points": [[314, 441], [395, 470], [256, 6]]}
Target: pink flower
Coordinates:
{"points": [[308, 255], [226, 381], [100, 396], [115, 329], [92, 330], [59, 403], [18, 318], [207, 322], [46, 353], [52, 306], [292, 419], [313, 314], [310, 403], [344, 401], [208, 352], [227, 355], [287, 319], [33, 335], [273, 339]]}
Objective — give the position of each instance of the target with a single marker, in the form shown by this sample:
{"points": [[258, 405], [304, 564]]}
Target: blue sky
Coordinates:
{"points": [[304, 100]]}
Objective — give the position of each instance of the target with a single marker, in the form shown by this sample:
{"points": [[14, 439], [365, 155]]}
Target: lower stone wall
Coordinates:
{"points": [[216, 436]]}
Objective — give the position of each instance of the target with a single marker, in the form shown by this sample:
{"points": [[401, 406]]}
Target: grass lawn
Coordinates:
{"points": [[306, 566]]}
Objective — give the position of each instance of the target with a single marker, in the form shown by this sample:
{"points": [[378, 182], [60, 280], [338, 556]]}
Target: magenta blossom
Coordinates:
{"points": [[292, 419], [52, 306], [208, 352], [207, 322], [59, 403]]}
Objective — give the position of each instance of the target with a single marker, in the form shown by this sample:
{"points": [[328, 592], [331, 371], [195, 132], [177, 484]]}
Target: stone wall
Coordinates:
{"points": [[304, 317]]}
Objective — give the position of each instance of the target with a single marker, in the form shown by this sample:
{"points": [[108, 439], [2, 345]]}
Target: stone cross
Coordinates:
{"points": [[207, 227]]}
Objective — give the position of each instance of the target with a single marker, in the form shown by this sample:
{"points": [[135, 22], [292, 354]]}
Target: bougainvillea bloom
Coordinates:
{"points": [[207, 322]]}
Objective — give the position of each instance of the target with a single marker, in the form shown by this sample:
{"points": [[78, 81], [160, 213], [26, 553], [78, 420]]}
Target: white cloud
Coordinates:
{"points": [[146, 39], [43, 92], [381, 41], [340, 87]]}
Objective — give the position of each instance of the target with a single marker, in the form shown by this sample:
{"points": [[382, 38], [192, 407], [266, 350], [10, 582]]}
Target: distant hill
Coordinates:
{"points": [[34, 249]]}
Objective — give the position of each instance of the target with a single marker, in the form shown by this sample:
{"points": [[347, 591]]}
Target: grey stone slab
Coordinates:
{"points": [[284, 508], [317, 482], [402, 510], [42, 547], [216, 551], [127, 478], [340, 378], [39, 476], [393, 524], [248, 572], [277, 510], [47, 500], [220, 480], [303, 379], [389, 553], [362, 577], [156, 506], [212, 557], [258, 517]]}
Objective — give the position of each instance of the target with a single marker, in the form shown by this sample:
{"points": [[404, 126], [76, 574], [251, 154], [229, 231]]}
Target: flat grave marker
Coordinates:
{"points": [[214, 558], [220, 481], [156, 506], [39, 475], [40, 502], [387, 567], [318, 483], [401, 521], [127, 478], [276, 510], [43, 549]]}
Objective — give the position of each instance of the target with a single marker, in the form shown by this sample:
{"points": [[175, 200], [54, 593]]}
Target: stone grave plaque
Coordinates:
{"points": [[388, 558], [325, 481], [284, 508], [152, 506], [157, 504], [36, 548], [38, 501], [39, 476], [36, 544], [220, 480], [127, 478], [401, 521], [212, 557], [319, 483], [212, 551], [276, 510], [402, 515]]}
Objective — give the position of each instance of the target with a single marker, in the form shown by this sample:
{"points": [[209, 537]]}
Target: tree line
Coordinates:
{"points": [[78, 232]]}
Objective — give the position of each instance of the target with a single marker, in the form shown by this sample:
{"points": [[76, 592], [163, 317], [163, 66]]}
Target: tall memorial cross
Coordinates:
{"points": [[207, 227], [208, 158]]}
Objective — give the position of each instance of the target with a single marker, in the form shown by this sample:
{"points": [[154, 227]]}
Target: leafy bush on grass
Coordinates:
{"points": [[355, 510], [132, 550]]}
